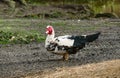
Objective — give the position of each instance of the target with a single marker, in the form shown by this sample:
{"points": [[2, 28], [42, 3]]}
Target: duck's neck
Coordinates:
{"points": [[49, 39]]}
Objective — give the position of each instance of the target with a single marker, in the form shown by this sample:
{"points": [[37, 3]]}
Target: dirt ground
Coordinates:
{"points": [[107, 69], [100, 59]]}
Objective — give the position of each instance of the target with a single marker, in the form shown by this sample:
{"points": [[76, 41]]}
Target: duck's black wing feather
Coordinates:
{"points": [[80, 41]]}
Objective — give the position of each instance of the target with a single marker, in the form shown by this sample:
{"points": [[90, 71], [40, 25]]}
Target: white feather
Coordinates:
{"points": [[64, 41], [84, 35]]}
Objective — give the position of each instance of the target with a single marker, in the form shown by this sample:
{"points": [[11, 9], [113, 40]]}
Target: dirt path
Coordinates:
{"points": [[106, 69], [21, 59]]}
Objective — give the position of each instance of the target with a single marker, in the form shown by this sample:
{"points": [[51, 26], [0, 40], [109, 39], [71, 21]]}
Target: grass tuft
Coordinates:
{"points": [[16, 37]]}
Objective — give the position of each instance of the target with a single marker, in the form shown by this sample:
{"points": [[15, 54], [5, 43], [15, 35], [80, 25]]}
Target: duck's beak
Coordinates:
{"points": [[47, 32]]}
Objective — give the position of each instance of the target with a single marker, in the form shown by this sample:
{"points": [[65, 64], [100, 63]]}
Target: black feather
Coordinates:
{"points": [[51, 47], [80, 41], [92, 37]]}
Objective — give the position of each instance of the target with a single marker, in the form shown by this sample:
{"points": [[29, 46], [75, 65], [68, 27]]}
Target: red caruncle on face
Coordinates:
{"points": [[49, 30]]}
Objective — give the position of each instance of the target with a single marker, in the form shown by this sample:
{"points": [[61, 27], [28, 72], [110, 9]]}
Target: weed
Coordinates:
{"points": [[11, 37]]}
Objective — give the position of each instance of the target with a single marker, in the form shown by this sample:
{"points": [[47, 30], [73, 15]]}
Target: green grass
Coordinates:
{"points": [[19, 31]]}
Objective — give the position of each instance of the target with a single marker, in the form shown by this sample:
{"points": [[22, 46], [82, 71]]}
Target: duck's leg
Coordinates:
{"points": [[66, 56]]}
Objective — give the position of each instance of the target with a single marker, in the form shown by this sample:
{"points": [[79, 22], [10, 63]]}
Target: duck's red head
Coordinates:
{"points": [[49, 30]]}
